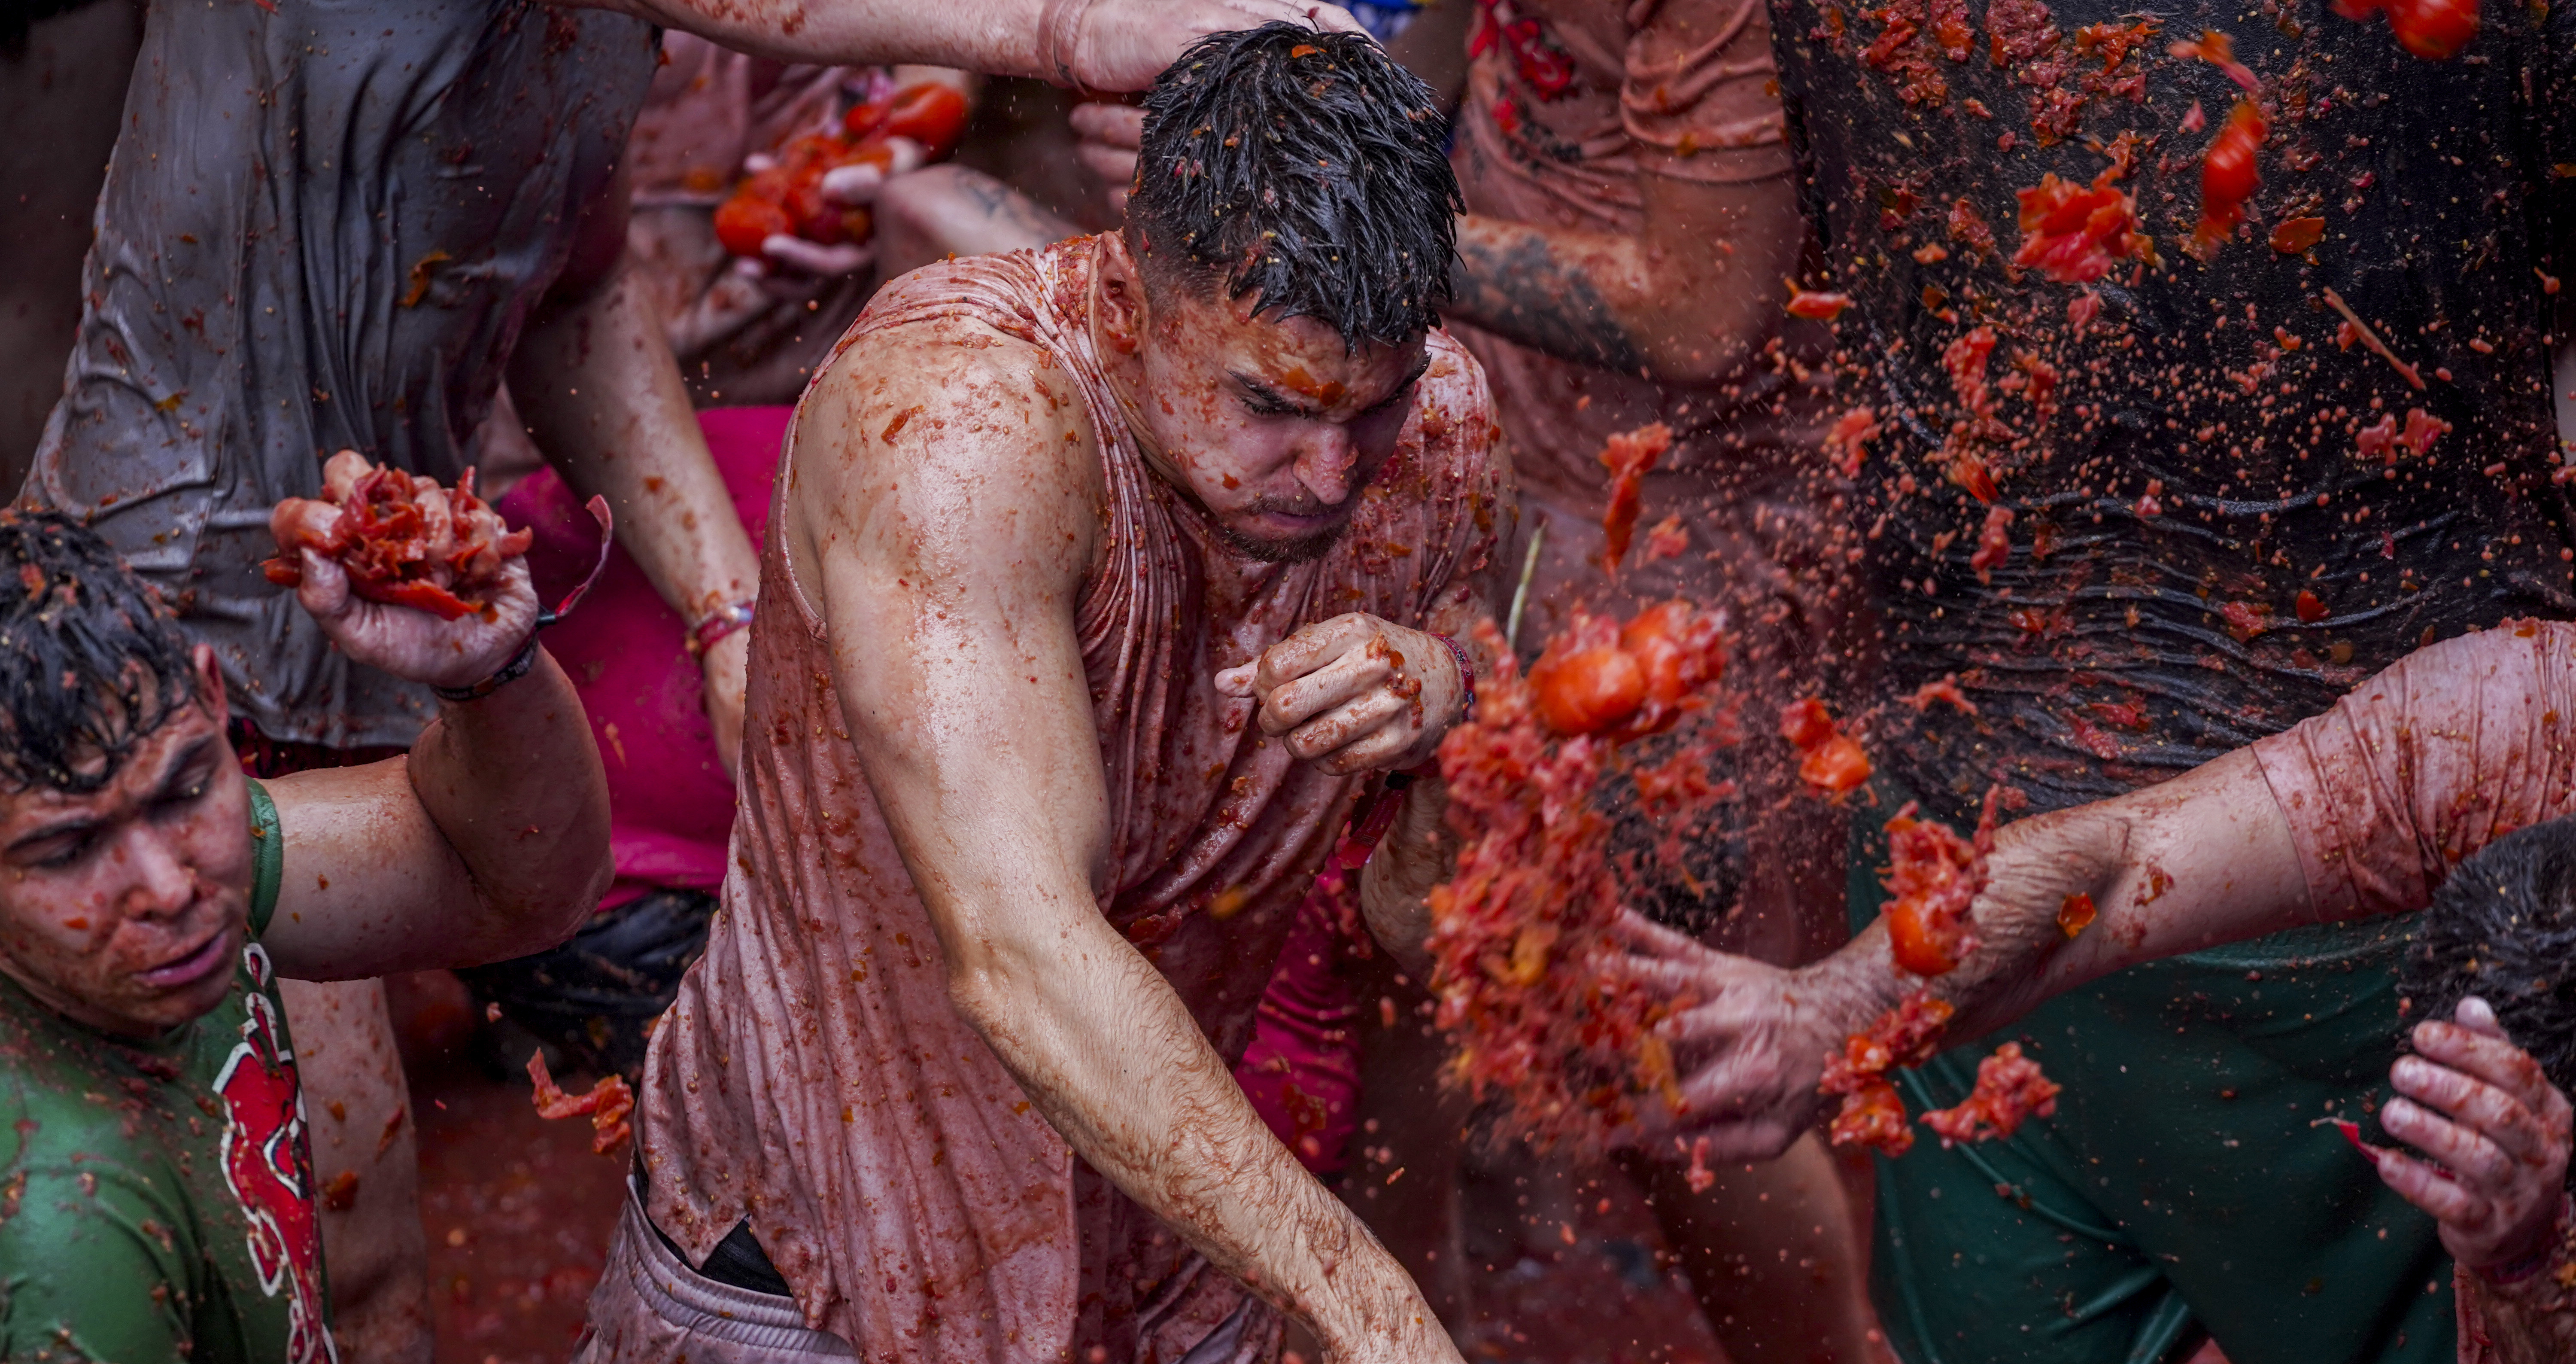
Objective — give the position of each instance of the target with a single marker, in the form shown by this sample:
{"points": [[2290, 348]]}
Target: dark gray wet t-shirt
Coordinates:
{"points": [[323, 227]]}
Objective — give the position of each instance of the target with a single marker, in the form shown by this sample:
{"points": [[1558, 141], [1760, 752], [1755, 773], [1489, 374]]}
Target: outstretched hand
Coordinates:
{"points": [[1354, 693], [1751, 1043], [2496, 1132], [416, 645]]}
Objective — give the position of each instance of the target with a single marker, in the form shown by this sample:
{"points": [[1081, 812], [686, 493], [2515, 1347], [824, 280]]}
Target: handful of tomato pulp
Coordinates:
{"points": [[402, 538], [913, 126]]}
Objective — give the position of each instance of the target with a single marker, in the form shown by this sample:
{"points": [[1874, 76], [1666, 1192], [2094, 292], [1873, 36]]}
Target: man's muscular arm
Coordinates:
{"points": [[2357, 811], [596, 382], [945, 502]]}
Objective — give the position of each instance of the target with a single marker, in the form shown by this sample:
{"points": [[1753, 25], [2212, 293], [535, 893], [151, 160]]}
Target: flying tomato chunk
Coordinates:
{"points": [[2219, 51], [2228, 176], [1850, 438], [1822, 307], [1872, 1114], [2072, 233], [2432, 29], [607, 1103], [1628, 455], [1834, 763], [2010, 1090]]}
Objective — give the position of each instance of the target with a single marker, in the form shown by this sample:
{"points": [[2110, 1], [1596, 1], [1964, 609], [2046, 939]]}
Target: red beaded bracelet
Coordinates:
{"points": [[1466, 677], [712, 627]]}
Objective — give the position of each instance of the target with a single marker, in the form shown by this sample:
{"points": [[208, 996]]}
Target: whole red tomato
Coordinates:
{"points": [[1589, 690]]}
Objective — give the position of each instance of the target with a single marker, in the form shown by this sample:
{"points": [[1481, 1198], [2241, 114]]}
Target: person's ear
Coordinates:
{"points": [[1125, 312], [210, 684]]}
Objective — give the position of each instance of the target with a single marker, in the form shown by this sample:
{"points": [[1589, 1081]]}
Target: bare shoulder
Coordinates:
{"points": [[940, 437], [1460, 446]]}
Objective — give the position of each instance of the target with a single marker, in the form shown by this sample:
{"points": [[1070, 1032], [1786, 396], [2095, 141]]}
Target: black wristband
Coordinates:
{"points": [[509, 672]]}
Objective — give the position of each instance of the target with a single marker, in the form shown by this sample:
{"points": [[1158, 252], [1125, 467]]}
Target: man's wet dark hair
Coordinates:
{"points": [[91, 660], [1307, 166], [2503, 928]]}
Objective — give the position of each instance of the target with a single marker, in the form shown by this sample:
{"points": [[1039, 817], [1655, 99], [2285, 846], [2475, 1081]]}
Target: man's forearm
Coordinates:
{"points": [[997, 37], [515, 785], [1111, 1057], [2185, 865], [1418, 852], [1545, 290]]}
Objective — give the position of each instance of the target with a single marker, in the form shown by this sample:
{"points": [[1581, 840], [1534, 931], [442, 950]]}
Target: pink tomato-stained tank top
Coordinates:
{"points": [[812, 1074]]}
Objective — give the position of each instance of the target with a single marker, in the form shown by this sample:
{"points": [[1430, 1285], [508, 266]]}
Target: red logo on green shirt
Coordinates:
{"points": [[266, 1165]]}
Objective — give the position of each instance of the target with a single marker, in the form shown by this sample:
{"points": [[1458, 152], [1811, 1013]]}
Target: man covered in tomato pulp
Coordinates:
{"points": [[160, 1194], [1104, 577]]}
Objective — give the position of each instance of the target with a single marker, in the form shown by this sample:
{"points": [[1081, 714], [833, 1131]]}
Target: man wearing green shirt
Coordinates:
{"points": [[156, 1198]]}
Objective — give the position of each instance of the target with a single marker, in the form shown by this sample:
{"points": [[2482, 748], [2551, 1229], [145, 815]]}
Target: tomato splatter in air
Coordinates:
{"points": [[2228, 176], [1822, 307], [1526, 939], [1849, 439], [2010, 1090], [2293, 236], [1872, 1114], [1833, 763], [1628, 455], [2074, 233]]}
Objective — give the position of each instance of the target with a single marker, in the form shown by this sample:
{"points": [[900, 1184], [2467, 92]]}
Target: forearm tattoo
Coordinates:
{"points": [[1517, 289]]}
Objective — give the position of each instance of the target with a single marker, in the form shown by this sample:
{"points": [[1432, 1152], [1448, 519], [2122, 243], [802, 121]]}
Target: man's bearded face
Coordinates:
{"points": [[1269, 424], [125, 908]]}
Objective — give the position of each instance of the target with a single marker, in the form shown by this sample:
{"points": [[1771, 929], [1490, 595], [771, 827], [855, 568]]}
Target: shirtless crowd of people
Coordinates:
{"points": [[931, 684]]}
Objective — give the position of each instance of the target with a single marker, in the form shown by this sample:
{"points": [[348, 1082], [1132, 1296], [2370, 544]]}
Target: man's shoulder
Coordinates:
{"points": [[1454, 427]]}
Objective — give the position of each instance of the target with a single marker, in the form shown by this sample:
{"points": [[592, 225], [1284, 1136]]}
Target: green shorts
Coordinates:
{"points": [[2185, 1187]]}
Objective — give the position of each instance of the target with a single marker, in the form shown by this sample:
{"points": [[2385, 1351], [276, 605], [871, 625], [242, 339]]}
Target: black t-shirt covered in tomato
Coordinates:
{"points": [[2225, 506]]}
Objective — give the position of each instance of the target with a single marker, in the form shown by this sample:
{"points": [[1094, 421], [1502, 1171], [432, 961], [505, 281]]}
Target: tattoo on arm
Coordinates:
{"points": [[1517, 289], [1013, 211]]}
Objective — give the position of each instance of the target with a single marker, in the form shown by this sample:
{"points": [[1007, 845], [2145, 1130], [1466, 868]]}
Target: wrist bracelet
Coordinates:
{"points": [[1466, 677], [711, 628], [2506, 1275], [509, 672]]}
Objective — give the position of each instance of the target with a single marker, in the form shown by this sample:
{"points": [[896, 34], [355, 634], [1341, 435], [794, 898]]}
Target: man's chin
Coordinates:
{"points": [[1293, 550]]}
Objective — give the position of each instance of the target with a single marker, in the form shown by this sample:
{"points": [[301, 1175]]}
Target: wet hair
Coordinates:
{"points": [[92, 661], [2503, 928], [1307, 166]]}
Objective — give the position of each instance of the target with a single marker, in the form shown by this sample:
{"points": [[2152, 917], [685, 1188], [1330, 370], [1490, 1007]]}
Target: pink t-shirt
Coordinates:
{"points": [[670, 802]]}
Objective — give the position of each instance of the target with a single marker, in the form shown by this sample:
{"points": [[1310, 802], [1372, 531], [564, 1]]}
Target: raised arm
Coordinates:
{"points": [[948, 514], [1097, 44], [488, 841], [602, 395], [2359, 811]]}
